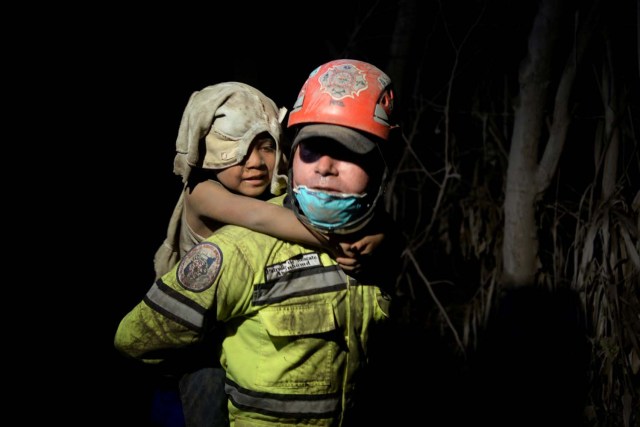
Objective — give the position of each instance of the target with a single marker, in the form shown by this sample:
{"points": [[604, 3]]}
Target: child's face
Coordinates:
{"points": [[253, 175]]}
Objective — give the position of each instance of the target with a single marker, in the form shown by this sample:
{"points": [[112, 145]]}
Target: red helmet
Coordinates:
{"points": [[349, 93]]}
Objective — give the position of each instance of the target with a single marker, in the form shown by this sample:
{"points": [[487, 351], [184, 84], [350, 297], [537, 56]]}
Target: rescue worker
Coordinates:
{"points": [[295, 327], [228, 153]]}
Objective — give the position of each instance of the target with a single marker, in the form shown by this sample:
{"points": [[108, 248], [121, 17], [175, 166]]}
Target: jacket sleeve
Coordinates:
{"points": [[208, 286]]}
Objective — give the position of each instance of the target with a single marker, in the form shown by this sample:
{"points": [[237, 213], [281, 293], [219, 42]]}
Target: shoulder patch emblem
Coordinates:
{"points": [[200, 267]]}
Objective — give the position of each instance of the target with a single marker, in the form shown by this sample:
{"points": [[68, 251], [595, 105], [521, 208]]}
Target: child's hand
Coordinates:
{"points": [[349, 261], [366, 245], [357, 255]]}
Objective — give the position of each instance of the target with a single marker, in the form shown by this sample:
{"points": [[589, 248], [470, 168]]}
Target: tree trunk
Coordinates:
{"points": [[400, 49], [520, 246], [526, 179]]}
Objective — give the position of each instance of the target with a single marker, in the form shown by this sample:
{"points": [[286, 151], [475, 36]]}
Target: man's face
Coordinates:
{"points": [[323, 164]]}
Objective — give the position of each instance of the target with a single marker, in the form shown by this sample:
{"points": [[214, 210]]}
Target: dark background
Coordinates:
{"points": [[119, 78]]}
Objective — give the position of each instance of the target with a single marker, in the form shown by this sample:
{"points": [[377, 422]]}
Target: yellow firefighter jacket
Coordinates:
{"points": [[296, 326]]}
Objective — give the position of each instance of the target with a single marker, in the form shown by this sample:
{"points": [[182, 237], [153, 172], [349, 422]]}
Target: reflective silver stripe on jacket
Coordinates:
{"points": [[283, 405], [315, 280], [170, 303]]}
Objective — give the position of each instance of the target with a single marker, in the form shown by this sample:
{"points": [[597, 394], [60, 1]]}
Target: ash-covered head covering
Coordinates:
{"points": [[218, 125]]}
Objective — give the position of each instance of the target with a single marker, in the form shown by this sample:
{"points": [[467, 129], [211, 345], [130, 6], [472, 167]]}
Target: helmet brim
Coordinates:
{"points": [[351, 139]]}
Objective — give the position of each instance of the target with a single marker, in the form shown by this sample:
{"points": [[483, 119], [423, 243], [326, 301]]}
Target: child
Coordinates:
{"points": [[230, 158], [236, 122]]}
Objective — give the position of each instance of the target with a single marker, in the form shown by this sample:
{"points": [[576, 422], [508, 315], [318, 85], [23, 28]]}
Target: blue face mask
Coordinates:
{"points": [[329, 211]]}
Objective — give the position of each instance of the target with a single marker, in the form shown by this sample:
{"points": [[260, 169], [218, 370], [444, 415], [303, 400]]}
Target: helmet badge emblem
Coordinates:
{"points": [[343, 81]]}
